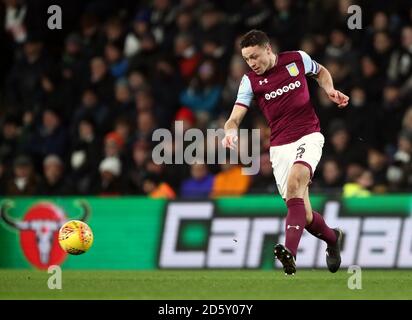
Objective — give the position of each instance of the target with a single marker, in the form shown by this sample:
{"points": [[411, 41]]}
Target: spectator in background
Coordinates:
{"points": [[114, 31], [24, 81], [254, 15], [9, 139], [154, 187], [16, 11], [203, 93], [378, 165], [86, 151], [162, 18], [400, 65], [399, 173], [213, 26], [116, 62], [185, 24], [166, 83], [113, 145], [372, 79], [136, 169], [263, 181], [340, 47], [187, 116], [109, 181], [353, 170], [382, 50], [72, 59], [360, 186], [311, 47], [407, 120], [380, 23], [54, 183], [144, 101], [73, 71], [101, 80], [332, 177], [92, 107], [92, 38], [326, 109], [340, 146], [187, 55], [137, 81], [166, 173], [230, 181], [236, 71], [361, 118], [285, 24], [145, 125], [49, 91], [199, 184], [140, 26], [145, 59], [123, 104], [213, 49], [123, 128], [49, 138], [340, 72], [24, 180], [391, 112], [193, 5]]}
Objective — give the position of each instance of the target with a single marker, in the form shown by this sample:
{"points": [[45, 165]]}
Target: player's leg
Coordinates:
{"points": [[297, 181], [282, 158], [317, 226], [308, 207]]}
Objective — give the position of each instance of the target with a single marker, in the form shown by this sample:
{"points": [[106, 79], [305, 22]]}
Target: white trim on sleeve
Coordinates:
{"points": [[245, 93]]}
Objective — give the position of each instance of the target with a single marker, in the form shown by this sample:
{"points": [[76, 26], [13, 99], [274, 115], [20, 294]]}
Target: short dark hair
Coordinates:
{"points": [[254, 38]]}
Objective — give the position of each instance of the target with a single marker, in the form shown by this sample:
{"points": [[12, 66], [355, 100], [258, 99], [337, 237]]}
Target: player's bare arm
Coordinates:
{"points": [[325, 81], [232, 125]]}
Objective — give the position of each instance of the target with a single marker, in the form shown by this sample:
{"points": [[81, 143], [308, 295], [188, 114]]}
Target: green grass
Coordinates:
{"points": [[306, 284]]}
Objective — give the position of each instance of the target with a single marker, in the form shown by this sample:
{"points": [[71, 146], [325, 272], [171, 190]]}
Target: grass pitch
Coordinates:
{"points": [[176, 285]]}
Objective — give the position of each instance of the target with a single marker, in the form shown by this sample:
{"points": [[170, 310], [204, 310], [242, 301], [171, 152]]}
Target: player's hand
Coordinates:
{"points": [[230, 139], [339, 98]]}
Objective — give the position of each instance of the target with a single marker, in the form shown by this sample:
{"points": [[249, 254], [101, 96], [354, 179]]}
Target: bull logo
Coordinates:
{"points": [[39, 232]]}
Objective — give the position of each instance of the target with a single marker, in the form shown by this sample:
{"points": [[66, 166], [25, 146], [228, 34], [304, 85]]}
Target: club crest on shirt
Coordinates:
{"points": [[292, 69]]}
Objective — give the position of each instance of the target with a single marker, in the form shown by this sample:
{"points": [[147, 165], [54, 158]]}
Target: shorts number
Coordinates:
{"points": [[300, 151]]}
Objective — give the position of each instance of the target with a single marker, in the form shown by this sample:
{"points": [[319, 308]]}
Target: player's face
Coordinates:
{"points": [[257, 57]]}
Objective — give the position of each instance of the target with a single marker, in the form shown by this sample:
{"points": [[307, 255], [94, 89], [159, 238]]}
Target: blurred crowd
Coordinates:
{"points": [[78, 106]]}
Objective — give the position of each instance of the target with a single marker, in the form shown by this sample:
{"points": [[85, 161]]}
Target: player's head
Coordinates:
{"points": [[256, 50]]}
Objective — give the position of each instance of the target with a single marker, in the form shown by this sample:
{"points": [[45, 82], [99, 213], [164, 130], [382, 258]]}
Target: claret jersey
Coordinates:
{"points": [[282, 94]]}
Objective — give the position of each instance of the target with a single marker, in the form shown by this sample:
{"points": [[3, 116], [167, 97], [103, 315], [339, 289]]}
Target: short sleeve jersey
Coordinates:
{"points": [[282, 95]]}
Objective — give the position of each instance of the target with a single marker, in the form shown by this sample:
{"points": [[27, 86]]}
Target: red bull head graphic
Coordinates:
{"points": [[39, 232]]}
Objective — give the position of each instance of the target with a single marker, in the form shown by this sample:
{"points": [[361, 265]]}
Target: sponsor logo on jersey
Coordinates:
{"points": [[284, 89]]}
